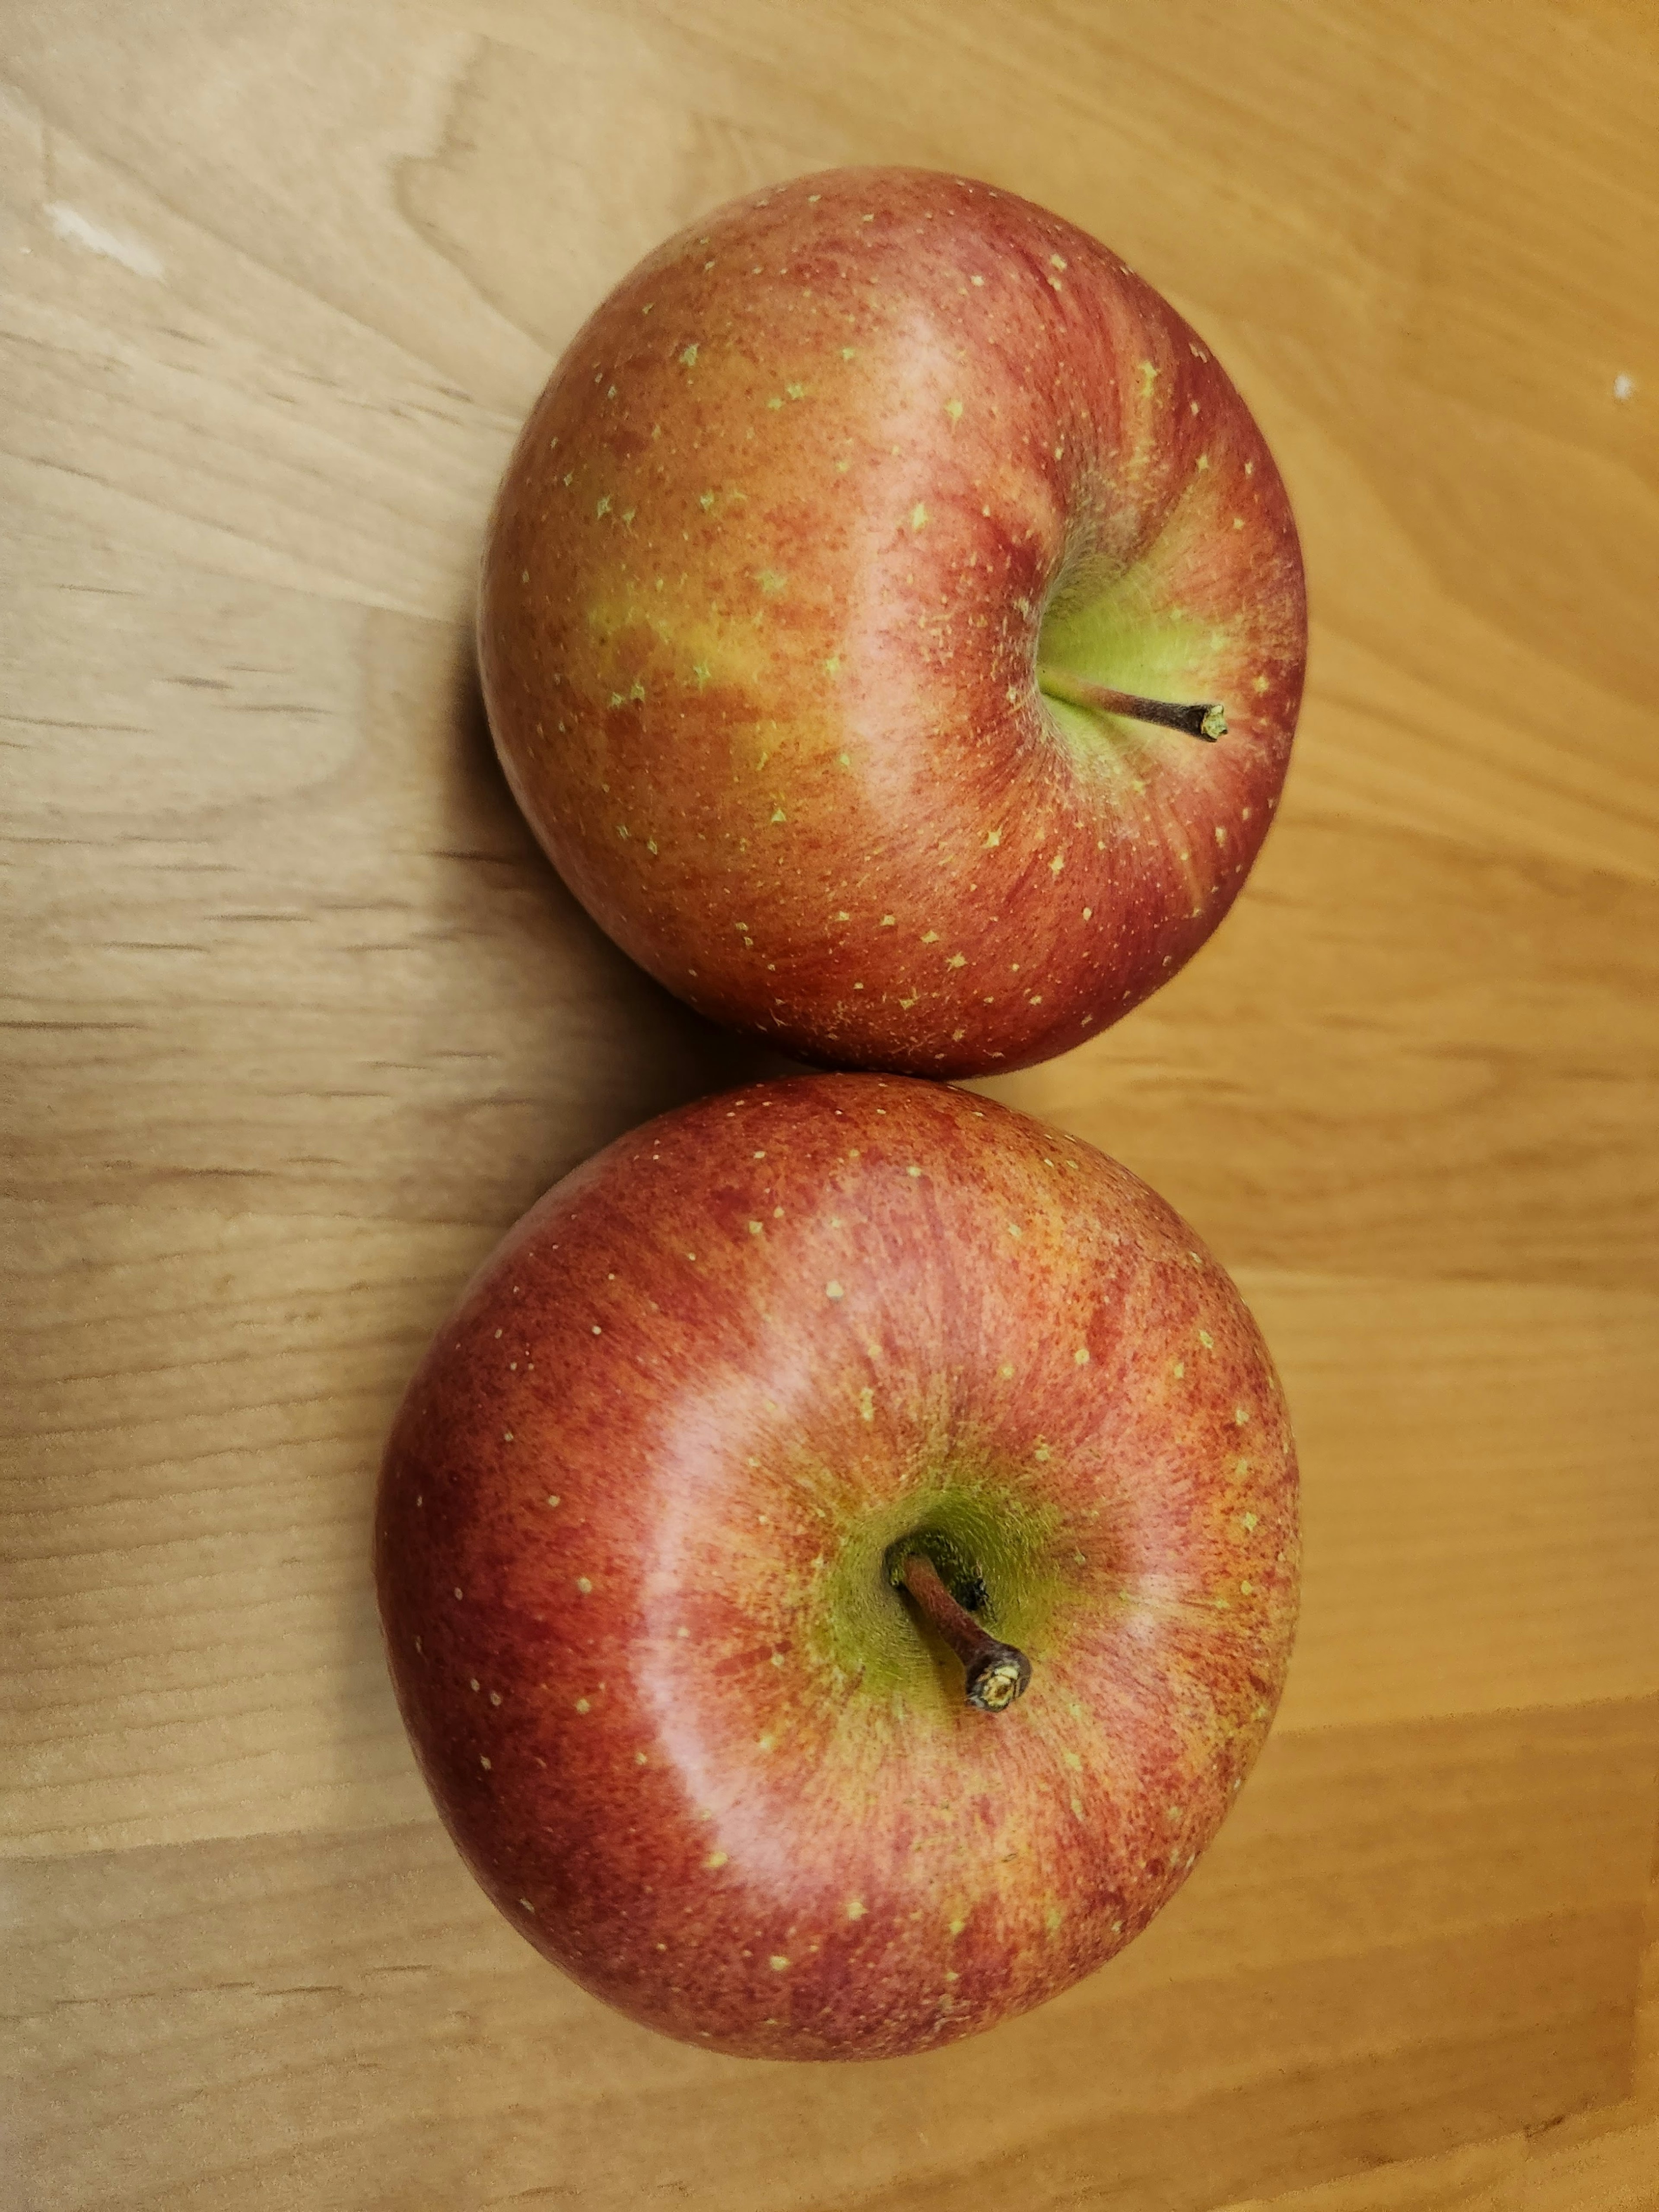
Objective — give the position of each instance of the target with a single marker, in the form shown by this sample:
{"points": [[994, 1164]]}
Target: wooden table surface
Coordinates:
{"points": [[297, 1020]]}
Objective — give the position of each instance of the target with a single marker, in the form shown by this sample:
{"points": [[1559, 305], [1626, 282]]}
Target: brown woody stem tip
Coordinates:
{"points": [[996, 1673], [1208, 721]]}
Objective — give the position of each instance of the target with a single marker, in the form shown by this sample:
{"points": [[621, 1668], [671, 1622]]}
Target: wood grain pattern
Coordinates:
{"points": [[295, 1020], [337, 2009]]}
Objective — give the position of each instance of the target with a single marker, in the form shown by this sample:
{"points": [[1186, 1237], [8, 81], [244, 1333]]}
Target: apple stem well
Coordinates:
{"points": [[996, 1673], [1207, 721]]}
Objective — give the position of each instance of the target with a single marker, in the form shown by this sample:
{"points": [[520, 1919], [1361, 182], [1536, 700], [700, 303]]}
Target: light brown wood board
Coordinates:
{"points": [[296, 1020]]}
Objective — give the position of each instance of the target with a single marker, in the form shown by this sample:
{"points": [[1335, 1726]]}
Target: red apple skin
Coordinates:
{"points": [[629, 1549], [760, 608]]}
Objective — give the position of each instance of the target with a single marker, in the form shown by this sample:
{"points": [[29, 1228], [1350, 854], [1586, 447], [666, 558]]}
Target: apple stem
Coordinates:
{"points": [[1208, 722], [997, 1672]]}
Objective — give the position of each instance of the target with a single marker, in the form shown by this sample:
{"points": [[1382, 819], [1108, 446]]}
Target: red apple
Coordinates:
{"points": [[829, 586], [639, 1524]]}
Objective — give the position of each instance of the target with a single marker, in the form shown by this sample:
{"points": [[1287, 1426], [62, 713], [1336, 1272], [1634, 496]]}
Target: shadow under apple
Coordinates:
{"points": [[556, 1043]]}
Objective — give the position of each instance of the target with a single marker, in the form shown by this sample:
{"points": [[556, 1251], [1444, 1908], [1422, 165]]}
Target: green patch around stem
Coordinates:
{"points": [[979, 1529], [1119, 629]]}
